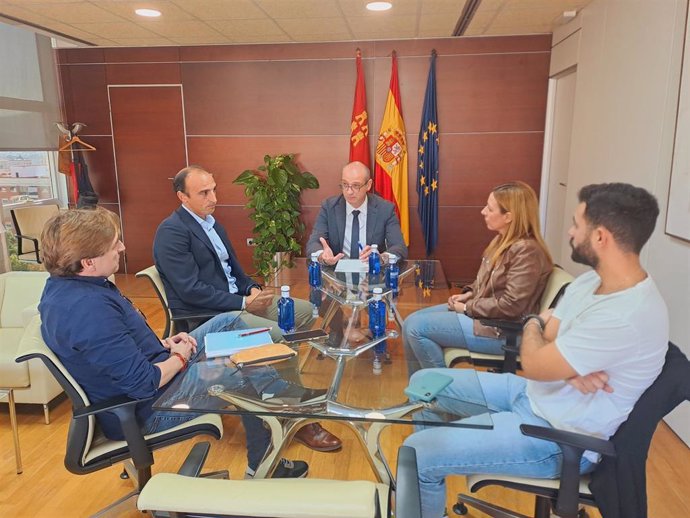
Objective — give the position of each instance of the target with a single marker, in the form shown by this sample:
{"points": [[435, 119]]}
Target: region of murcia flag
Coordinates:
{"points": [[359, 125], [390, 177]]}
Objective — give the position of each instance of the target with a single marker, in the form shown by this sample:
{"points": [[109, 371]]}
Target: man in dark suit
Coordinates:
{"points": [[201, 273], [356, 215]]}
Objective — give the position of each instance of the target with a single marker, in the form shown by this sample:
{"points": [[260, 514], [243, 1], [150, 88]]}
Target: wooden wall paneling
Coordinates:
{"points": [[101, 164], [242, 102], [492, 92], [471, 164], [227, 157], [481, 45], [346, 50], [86, 97], [301, 51], [141, 54], [143, 74], [268, 98], [80, 55], [149, 138]]}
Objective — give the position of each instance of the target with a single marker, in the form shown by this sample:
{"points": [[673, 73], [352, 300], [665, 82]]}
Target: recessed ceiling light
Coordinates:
{"points": [[379, 6], [151, 13]]}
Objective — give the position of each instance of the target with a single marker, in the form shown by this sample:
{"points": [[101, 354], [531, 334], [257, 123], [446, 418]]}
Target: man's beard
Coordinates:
{"points": [[584, 254]]}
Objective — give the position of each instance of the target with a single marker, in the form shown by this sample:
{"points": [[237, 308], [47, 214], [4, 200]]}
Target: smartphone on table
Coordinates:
{"points": [[301, 336]]}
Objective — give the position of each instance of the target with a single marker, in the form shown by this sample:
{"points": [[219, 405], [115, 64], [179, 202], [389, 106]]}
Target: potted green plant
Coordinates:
{"points": [[274, 190]]}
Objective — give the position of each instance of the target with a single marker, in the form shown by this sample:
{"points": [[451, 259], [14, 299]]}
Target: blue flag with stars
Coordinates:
{"points": [[427, 163]]}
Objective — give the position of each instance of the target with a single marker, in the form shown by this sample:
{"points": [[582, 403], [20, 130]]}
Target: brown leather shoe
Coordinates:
{"points": [[317, 438]]}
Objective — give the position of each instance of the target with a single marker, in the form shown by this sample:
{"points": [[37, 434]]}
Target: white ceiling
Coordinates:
{"points": [[111, 23]]}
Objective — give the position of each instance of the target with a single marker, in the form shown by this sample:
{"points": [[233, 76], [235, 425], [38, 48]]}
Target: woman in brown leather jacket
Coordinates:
{"points": [[512, 276]]}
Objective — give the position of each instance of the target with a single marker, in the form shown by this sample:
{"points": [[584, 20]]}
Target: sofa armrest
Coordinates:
{"points": [[28, 313]]}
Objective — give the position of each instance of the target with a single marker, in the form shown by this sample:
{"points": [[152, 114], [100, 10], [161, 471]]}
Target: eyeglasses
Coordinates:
{"points": [[355, 187]]}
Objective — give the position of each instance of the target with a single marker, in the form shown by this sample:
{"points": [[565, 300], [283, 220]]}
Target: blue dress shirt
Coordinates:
{"points": [[222, 252]]}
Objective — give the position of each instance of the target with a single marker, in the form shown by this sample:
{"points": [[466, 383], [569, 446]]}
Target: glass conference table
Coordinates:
{"points": [[333, 377]]}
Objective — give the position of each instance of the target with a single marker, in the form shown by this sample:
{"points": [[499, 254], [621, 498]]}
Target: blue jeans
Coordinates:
{"points": [[258, 436], [428, 331], [443, 451]]}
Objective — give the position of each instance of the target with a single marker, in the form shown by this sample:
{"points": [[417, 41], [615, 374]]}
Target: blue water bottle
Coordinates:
{"points": [[392, 274], [286, 310], [377, 325], [374, 260], [315, 271], [315, 299]]}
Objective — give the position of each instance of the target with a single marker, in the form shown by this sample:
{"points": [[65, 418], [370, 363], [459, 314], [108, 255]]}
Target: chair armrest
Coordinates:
{"points": [[573, 439], [573, 445], [407, 499], [28, 313], [29, 238], [109, 405], [506, 326], [124, 408], [194, 462]]}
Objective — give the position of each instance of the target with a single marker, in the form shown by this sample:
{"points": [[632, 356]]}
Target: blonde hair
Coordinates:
{"points": [[519, 199], [73, 235]]}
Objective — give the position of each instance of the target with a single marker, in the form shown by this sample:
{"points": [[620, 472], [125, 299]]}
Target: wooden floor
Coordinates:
{"points": [[47, 489]]}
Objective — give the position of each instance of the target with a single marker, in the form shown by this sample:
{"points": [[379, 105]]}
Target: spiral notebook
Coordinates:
{"points": [[227, 343]]}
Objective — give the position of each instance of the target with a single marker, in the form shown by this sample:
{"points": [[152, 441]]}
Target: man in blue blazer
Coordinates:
{"points": [[377, 222], [201, 273]]}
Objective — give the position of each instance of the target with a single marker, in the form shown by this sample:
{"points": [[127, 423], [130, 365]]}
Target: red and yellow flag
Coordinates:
{"points": [[391, 155], [359, 128]]}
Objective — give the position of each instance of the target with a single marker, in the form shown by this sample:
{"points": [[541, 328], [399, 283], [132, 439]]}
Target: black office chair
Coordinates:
{"points": [[88, 450], [173, 323], [555, 287], [183, 495], [618, 484]]}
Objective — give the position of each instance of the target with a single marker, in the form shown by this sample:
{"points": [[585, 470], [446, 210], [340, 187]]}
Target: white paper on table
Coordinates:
{"points": [[351, 266]]}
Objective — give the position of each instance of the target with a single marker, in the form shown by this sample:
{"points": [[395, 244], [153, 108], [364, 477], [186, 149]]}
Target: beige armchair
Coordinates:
{"points": [[20, 293], [28, 224]]}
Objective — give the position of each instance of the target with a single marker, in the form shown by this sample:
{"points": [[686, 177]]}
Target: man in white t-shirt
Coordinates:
{"points": [[584, 365]]}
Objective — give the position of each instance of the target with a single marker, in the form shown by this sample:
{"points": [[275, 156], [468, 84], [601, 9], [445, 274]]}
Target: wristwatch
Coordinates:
{"points": [[536, 317]]}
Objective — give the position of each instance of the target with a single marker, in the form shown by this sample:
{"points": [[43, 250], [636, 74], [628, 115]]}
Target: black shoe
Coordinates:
{"points": [[291, 469]]}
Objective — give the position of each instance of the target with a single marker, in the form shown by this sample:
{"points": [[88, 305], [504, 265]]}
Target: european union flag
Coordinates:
{"points": [[427, 163]]}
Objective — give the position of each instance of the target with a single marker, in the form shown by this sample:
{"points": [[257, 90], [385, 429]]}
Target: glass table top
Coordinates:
{"points": [[346, 374]]}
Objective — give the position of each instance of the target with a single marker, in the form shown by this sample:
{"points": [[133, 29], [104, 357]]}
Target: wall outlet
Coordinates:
{"points": [[250, 241]]}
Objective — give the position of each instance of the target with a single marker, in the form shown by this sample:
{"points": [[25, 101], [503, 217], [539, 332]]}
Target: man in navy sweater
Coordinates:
{"points": [[102, 339]]}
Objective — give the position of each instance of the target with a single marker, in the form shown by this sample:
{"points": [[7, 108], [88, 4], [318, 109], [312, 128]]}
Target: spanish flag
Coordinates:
{"points": [[391, 155], [359, 127]]}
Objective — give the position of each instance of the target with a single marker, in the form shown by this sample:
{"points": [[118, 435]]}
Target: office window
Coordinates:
{"points": [[27, 178]]}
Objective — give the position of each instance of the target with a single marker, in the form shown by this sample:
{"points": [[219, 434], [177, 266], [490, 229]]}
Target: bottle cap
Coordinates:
{"points": [[375, 246], [392, 259], [315, 256], [378, 291], [285, 289]]}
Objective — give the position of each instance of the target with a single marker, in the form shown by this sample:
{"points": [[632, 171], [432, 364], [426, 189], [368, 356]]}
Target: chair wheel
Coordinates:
{"points": [[460, 508], [124, 475]]}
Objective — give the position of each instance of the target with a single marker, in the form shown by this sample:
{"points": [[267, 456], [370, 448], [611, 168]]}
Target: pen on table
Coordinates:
{"points": [[255, 332], [262, 360]]}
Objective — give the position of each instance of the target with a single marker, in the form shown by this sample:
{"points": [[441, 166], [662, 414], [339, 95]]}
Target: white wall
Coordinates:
{"points": [[628, 74]]}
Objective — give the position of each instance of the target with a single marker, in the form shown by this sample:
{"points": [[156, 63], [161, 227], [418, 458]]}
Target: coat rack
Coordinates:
{"points": [[77, 166]]}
